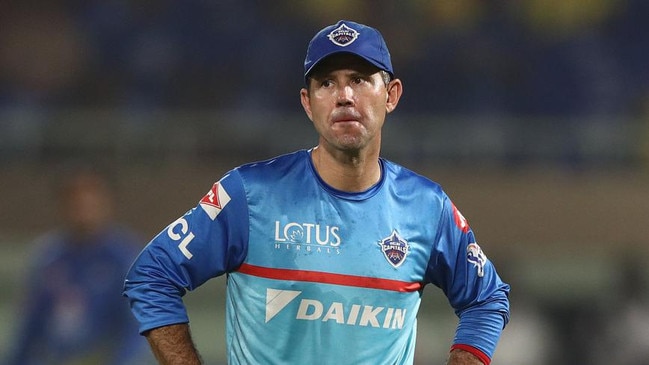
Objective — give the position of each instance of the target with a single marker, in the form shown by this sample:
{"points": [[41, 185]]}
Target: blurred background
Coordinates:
{"points": [[532, 114]]}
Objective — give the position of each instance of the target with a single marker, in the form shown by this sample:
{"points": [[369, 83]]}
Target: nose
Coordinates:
{"points": [[345, 96]]}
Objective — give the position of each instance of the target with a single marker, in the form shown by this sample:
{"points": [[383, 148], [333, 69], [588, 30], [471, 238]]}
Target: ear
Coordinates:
{"points": [[306, 104], [395, 89]]}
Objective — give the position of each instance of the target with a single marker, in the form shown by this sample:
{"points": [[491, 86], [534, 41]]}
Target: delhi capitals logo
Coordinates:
{"points": [[343, 35], [475, 256], [395, 249]]}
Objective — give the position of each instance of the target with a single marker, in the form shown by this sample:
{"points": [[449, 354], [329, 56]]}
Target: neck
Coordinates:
{"points": [[346, 171]]}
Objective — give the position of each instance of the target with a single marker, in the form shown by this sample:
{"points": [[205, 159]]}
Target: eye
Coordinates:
{"points": [[326, 83], [357, 80]]}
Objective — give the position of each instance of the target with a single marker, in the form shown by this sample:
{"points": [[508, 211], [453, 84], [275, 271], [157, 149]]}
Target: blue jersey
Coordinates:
{"points": [[73, 312], [317, 275]]}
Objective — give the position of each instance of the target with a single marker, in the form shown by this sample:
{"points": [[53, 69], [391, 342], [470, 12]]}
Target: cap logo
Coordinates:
{"points": [[343, 35]]}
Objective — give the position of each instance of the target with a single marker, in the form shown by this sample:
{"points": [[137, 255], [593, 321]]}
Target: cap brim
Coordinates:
{"points": [[334, 52]]}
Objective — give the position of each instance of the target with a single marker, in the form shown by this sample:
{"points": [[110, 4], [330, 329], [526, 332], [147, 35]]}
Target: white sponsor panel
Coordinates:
{"points": [[307, 233], [350, 315], [179, 231], [215, 200]]}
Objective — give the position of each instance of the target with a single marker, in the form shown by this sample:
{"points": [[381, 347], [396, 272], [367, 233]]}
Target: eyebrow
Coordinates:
{"points": [[352, 72]]}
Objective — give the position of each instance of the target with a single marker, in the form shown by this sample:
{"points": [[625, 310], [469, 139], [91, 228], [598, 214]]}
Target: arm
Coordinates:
{"points": [[461, 357], [203, 243], [173, 345], [474, 289]]}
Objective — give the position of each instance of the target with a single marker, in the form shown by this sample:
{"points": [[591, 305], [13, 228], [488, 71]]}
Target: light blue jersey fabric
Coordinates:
{"points": [[317, 275]]}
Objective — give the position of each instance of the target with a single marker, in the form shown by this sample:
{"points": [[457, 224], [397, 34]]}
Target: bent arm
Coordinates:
{"points": [[472, 285], [173, 345]]}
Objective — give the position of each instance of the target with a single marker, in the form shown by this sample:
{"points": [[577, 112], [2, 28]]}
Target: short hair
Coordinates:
{"points": [[384, 75]]}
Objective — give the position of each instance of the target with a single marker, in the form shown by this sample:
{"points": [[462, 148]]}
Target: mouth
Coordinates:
{"points": [[345, 118], [343, 121]]}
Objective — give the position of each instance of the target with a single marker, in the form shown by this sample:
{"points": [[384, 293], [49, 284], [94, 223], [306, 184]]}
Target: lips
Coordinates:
{"points": [[345, 117]]}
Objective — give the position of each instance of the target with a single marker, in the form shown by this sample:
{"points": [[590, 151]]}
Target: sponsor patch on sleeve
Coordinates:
{"points": [[460, 221], [215, 200], [475, 256]]}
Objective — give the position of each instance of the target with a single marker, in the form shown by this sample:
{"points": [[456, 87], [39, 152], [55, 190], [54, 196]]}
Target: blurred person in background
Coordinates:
{"points": [[73, 312]]}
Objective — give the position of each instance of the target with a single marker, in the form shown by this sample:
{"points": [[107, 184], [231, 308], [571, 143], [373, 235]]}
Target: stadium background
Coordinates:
{"points": [[534, 116]]}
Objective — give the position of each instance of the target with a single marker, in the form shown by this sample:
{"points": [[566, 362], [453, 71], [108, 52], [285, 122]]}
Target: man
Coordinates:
{"points": [[326, 250], [72, 313]]}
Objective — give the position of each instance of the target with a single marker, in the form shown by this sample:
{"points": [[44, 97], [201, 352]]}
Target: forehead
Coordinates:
{"points": [[343, 61]]}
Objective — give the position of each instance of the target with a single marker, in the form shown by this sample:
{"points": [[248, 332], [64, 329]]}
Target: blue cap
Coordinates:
{"points": [[349, 37]]}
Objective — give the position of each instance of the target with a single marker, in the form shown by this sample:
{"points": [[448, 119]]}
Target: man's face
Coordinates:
{"points": [[86, 206], [347, 101]]}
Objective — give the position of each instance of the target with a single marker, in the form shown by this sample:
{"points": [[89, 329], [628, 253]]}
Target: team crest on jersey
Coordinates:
{"points": [[343, 35], [395, 249], [475, 256], [215, 200]]}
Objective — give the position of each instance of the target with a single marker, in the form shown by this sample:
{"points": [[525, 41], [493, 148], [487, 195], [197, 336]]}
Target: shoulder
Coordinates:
{"points": [[116, 244], [274, 168], [49, 248], [277, 163], [263, 177], [409, 179], [122, 238], [412, 189]]}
